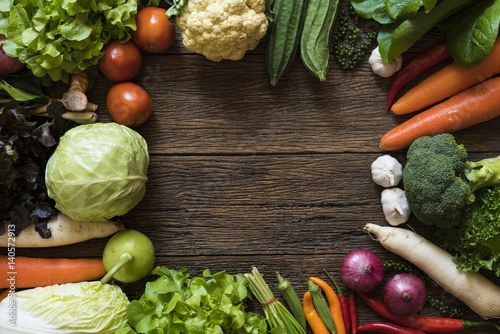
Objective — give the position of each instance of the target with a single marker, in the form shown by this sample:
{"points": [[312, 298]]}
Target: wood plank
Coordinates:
{"points": [[209, 111]]}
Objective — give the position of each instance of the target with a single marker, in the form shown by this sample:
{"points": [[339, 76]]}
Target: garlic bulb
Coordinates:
{"points": [[395, 206], [387, 171], [380, 67]]}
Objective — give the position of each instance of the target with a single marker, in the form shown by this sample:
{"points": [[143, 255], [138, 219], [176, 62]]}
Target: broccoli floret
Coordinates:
{"points": [[440, 182]]}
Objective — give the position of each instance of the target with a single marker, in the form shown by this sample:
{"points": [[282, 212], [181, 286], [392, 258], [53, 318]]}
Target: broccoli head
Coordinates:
{"points": [[440, 182]]}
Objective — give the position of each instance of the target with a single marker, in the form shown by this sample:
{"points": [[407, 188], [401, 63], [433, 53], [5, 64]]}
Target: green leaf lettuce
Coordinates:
{"points": [[63, 37], [210, 304]]}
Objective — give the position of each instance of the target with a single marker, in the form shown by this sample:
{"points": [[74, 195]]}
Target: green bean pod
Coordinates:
{"points": [[315, 39], [284, 36]]}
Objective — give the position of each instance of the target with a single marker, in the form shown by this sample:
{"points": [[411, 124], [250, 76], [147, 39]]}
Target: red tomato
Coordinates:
{"points": [[121, 61], [154, 31], [129, 104]]}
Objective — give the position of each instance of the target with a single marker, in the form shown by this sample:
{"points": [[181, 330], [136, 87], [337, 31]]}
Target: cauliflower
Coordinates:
{"points": [[222, 29]]}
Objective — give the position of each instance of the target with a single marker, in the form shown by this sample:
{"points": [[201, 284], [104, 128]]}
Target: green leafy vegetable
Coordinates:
{"points": [[26, 144], [470, 26], [87, 307], [98, 171], [372, 9], [477, 240], [175, 303], [429, 4], [60, 38], [174, 11], [402, 10], [472, 32], [22, 88], [395, 39]]}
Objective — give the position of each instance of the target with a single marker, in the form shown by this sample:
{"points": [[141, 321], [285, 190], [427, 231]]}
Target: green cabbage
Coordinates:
{"points": [[98, 171], [73, 308], [63, 37]]}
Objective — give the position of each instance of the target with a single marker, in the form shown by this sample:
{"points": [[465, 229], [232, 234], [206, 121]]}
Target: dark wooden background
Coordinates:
{"points": [[245, 174]]}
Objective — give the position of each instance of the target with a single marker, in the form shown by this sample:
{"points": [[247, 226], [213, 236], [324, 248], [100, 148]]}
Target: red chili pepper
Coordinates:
{"points": [[417, 65], [419, 321], [343, 304], [353, 312], [385, 328]]}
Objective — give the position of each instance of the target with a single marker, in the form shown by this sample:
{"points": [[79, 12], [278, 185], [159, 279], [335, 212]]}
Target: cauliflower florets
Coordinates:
{"points": [[222, 29]]}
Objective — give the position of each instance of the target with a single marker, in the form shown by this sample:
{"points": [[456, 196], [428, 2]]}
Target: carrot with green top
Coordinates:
{"points": [[447, 82], [312, 316], [475, 105], [333, 302], [36, 272]]}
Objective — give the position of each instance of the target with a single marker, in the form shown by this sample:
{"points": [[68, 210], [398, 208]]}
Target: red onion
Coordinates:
{"points": [[8, 65], [405, 294], [361, 270]]}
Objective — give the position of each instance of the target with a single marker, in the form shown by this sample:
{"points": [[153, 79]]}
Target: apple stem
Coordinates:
{"points": [[124, 260]]}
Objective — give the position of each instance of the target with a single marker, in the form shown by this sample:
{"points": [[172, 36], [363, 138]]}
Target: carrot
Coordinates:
{"points": [[64, 231], [447, 82], [27, 272], [475, 105]]}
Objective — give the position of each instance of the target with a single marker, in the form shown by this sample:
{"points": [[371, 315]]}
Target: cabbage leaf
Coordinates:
{"points": [[73, 308]]}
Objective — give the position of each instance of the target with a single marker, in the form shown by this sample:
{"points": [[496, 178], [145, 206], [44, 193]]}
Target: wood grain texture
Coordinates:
{"points": [[245, 174]]}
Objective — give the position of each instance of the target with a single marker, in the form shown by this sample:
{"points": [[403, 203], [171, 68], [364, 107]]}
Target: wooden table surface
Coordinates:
{"points": [[245, 174]]}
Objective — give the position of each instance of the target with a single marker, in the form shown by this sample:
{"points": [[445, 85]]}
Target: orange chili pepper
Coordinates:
{"points": [[312, 317], [333, 303]]}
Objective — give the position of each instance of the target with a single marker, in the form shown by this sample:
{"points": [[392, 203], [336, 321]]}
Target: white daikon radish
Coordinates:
{"points": [[475, 290], [64, 231]]}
